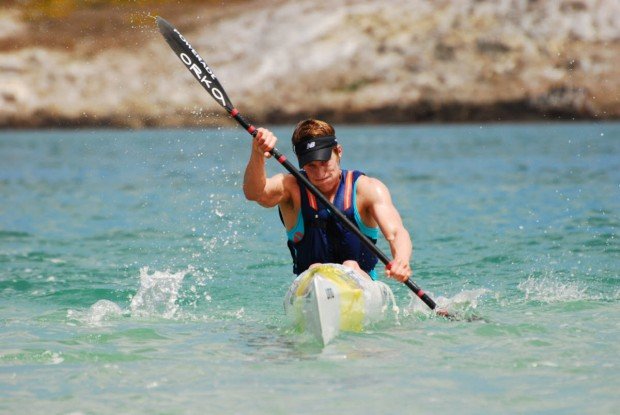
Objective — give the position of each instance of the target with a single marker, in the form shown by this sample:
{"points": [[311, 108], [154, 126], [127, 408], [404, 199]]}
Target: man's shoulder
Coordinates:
{"points": [[365, 182], [286, 179], [289, 181], [371, 189]]}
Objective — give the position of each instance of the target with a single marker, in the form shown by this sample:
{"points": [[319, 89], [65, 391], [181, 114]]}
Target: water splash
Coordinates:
{"points": [[387, 292], [99, 313], [460, 306], [551, 290], [158, 294]]}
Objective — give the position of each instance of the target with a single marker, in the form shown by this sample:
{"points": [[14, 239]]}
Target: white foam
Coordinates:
{"points": [[103, 309], [97, 314], [158, 294], [459, 304], [551, 290], [465, 299], [52, 358], [390, 300]]}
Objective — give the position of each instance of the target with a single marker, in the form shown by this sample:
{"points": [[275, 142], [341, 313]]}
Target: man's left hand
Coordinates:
{"points": [[399, 270]]}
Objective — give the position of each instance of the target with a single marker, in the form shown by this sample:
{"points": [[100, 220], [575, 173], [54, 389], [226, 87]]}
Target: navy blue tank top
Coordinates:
{"points": [[319, 237]]}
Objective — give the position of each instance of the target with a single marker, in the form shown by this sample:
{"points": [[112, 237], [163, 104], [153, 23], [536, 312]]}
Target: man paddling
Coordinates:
{"points": [[375, 205], [314, 235]]}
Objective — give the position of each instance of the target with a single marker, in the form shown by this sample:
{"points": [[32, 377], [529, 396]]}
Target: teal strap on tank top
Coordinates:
{"points": [[372, 233], [297, 229]]}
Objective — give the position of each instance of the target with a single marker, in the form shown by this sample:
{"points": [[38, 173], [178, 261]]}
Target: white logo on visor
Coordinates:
{"points": [[310, 145]]}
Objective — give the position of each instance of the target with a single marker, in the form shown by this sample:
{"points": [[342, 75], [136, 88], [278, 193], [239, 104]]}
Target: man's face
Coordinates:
{"points": [[325, 175]]}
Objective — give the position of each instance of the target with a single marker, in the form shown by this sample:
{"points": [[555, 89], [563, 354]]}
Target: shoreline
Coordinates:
{"points": [[457, 114], [234, 125]]}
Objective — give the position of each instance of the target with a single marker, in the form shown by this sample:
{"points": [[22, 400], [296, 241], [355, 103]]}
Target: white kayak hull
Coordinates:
{"points": [[331, 298]]}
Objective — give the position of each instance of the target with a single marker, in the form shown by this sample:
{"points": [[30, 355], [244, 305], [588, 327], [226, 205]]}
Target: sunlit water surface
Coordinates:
{"points": [[135, 278]]}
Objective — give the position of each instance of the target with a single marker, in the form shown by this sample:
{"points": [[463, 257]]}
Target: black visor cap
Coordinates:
{"points": [[315, 149]]}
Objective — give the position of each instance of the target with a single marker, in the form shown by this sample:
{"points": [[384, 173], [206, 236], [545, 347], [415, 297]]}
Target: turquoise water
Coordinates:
{"points": [[134, 277]]}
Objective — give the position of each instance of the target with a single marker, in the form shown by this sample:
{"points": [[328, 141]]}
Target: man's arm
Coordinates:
{"points": [[377, 202], [267, 192]]}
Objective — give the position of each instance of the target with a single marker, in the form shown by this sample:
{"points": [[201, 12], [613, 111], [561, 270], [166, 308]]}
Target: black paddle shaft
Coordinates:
{"points": [[205, 76]]}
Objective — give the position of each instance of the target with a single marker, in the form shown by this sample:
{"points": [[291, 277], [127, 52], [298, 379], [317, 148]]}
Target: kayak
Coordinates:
{"points": [[330, 298]]}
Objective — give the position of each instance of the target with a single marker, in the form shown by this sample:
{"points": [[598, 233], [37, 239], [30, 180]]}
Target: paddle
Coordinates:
{"points": [[201, 71]]}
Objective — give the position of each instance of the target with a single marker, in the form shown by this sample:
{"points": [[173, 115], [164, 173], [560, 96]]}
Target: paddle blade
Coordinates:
{"points": [[194, 63]]}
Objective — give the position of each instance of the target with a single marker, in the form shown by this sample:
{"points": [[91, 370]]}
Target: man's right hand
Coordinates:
{"points": [[264, 142]]}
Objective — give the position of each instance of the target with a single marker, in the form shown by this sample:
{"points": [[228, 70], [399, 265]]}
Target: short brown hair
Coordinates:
{"points": [[311, 128]]}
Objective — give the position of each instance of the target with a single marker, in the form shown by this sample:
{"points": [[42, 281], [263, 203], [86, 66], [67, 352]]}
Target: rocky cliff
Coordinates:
{"points": [[344, 60]]}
